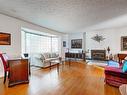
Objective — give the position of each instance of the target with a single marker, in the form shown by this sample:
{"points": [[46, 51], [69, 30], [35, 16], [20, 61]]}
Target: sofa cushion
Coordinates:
{"points": [[115, 83], [57, 55], [115, 72], [113, 69], [47, 60], [42, 57], [57, 58], [54, 55], [124, 69], [46, 55]]}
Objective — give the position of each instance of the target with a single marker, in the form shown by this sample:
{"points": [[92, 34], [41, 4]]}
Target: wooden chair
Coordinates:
{"points": [[4, 59], [121, 57]]}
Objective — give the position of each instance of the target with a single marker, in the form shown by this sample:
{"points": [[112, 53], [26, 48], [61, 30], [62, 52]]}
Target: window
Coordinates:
{"points": [[54, 44], [35, 43]]}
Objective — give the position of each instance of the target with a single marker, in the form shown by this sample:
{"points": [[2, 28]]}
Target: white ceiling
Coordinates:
{"points": [[68, 15]]}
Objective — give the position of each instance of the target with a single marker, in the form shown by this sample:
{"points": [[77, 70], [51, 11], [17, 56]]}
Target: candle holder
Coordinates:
{"points": [[108, 49]]}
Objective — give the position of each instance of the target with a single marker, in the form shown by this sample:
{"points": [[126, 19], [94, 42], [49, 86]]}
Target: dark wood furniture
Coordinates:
{"points": [[4, 59], [19, 71], [121, 57], [75, 55]]}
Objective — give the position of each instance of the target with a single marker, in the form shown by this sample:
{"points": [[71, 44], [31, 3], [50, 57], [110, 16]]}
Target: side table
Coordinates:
{"points": [[123, 89], [19, 71]]}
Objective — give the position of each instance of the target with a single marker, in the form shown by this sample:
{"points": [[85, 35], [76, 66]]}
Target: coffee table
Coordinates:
{"points": [[57, 62]]}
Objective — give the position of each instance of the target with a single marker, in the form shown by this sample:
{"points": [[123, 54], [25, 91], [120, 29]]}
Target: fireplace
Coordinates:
{"points": [[98, 54]]}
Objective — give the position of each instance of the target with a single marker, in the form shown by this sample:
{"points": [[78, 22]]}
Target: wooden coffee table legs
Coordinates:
{"points": [[56, 64], [50, 65], [58, 67]]}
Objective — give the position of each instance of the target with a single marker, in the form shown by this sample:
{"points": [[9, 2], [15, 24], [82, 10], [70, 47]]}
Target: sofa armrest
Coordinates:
{"points": [[36, 61], [47, 60]]}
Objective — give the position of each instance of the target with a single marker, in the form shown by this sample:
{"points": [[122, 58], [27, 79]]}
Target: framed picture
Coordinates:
{"points": [[124, 43], [5, 38], [64, 43], [76, 43]]}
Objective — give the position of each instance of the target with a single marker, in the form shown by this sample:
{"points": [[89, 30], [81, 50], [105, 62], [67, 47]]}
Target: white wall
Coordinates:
{"points": [[112, 39], [75, 36], [13, 26], [64, 49]]}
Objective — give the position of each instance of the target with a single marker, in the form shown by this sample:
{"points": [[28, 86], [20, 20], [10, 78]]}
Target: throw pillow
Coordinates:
{"points": [[57, 55], [124, 69], [46, 55], [112, 63], [42, 57], [53, 55]]}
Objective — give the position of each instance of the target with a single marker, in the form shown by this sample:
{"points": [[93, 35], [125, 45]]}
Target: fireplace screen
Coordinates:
{"points": [[98, 54]]}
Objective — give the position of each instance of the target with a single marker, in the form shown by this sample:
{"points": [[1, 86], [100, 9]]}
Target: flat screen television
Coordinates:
{"points": [[5, 38]]}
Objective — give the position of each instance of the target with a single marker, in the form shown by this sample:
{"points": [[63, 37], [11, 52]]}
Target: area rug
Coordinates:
{"points": [[97, 63]]}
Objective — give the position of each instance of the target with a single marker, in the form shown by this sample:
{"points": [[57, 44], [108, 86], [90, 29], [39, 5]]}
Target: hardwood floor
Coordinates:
{"points": [[78, 79]]}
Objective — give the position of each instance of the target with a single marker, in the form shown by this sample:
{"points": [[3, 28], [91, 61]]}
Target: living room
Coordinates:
{"points": [[45, 31]]}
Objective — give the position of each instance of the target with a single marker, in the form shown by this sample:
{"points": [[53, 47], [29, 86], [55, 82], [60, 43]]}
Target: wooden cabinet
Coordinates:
{"points": [[19, 71], [121, 57], [75, 55]]}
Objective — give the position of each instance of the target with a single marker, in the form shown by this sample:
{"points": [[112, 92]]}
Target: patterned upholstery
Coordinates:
{"points": [[114, 76]]}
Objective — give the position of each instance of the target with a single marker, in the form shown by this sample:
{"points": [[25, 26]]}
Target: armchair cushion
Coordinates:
{"points": [[115, 72]]}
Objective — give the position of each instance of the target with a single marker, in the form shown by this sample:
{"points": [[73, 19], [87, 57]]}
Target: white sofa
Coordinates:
{"points": [[43, 59]]}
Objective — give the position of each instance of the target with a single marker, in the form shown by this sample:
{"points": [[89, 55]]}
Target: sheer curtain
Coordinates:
{"points": [[55, 44], [35, 43]]}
